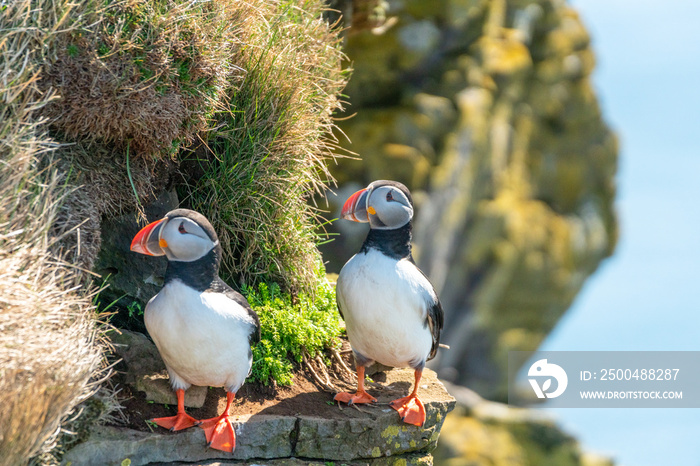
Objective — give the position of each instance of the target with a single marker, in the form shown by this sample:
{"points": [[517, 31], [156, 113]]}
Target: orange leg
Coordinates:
{"points": [[361, 396], [410, 408], [181, 420], [219, 430]]}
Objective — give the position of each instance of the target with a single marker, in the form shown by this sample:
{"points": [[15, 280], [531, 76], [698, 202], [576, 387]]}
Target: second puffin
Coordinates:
{"points": [[391, 311]]}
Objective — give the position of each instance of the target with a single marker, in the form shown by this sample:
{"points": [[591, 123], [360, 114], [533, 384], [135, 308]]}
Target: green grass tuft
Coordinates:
{"points": [[268, 155], [291, 329]]}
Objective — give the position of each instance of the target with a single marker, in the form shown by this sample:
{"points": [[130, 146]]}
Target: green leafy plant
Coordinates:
{"points": [[291, 329], [72, 50], [135, 310]]}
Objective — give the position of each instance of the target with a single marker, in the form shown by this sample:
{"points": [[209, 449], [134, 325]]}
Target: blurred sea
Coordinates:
{"points": [[646, 296]]}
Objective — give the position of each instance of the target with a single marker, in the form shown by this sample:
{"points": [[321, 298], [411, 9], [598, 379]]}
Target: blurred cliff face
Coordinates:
{"points": [[485, 110]]}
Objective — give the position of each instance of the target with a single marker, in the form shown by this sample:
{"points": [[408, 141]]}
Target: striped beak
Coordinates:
{"points": [[147, 241], [355, 208]]}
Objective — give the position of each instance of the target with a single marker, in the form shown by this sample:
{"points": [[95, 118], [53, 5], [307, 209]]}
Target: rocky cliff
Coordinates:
{"points": [[485, 109], [486, 433]]}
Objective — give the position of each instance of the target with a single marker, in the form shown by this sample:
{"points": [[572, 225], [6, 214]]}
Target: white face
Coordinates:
{"points": [[391, 207], [184, 240]]}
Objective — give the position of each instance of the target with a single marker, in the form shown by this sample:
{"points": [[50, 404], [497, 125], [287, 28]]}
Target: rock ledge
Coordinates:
{"points": [[371, 435]]}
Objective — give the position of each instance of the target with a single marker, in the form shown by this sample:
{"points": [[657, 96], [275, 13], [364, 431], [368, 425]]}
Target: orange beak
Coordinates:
{"points": [[147, 240], [355, 208]]}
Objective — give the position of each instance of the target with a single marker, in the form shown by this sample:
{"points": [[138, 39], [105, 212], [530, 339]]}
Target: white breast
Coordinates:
{"points": [[384, 303], [202, 337]]}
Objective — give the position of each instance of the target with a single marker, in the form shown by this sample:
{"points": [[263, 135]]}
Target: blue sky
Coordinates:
{"points": [[646, 297]]}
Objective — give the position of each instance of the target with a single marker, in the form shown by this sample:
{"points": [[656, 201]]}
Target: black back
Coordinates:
{"points": [[219, 286]]}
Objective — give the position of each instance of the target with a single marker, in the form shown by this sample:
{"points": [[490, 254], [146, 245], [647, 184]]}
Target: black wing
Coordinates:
{"points": [[436, 316], [340, 311], [435, 321], [221, 287]]}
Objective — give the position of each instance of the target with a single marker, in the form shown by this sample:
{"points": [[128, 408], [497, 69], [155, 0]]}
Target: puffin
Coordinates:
{"points": [[203, 329], [391, 310]]}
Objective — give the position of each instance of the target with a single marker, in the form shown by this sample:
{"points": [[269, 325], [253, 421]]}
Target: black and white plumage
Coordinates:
{"points": [[202, 328], [392, 313]]}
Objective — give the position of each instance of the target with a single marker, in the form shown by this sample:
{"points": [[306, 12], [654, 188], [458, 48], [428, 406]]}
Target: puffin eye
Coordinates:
{"points": [[181, 228], [389, 197]]}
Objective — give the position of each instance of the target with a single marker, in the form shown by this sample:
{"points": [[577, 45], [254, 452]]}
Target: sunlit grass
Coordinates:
{"points": [[269, 152], [50, 350]]}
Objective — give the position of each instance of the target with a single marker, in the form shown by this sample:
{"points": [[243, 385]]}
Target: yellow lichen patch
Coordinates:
{"points": [[504, 55], [376, 452], [485, 442], [390, 431], [400, 462]]}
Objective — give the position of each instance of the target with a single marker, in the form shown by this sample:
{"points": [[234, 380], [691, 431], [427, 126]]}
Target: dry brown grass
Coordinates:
{"points": [[48, 335], [133, 89], [102, 186], [148, 73]]}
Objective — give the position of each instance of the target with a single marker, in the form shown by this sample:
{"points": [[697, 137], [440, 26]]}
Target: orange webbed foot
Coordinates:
{"points": [[410, 409], [220, 433], [178, 422], [360, 397]]}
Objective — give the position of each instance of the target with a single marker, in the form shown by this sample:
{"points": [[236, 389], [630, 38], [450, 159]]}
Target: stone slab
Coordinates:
{"points": [[158, 390], [380, 433], [411, 459], [258, 436]]}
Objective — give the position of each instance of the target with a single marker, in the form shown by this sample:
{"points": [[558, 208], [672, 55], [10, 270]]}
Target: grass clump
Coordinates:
{"points": [[268, 155], [252, 84], [147, 72], [135, 82], [291, 330], [50, 350]]}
